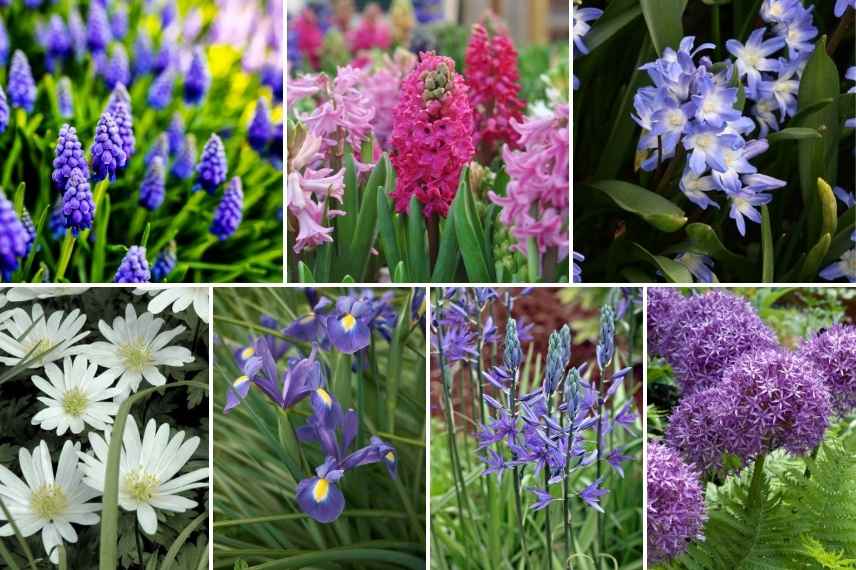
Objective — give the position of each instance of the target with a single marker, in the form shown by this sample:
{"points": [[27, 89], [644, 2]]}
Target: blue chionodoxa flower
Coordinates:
{"points": [[348, 326]]}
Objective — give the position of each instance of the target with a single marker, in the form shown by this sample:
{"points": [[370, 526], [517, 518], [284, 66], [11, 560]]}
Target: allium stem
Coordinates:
{"points": [[754, 498]]}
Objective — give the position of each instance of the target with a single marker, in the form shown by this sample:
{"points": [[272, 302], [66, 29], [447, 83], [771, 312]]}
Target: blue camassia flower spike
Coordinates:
{"points": [[347, 327]]}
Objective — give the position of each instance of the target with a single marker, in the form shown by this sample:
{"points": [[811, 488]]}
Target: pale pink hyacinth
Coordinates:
{"points": [[303, 87], [306, 198], [536, 203], [383, 87]]}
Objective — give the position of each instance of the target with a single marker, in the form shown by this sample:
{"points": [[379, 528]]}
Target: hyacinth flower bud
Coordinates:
{"points": [[160, 91], [68, 157], [513, 354], [107, 154], [64, 97], [13, 238], [21, 86], [228, 215], [164, 263], [134, 267], [160, 149], [153, 187], [212, 167], [606, 343], [185, 162], [98, 34], [259, 133], [78, 209], [4, 111], [198, 78]]}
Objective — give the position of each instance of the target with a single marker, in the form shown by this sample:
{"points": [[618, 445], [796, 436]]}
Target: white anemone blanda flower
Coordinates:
{"points": [[147, 470], [19, 294], [135, 348], [75, 396], [180, 298], [42, 502], [33, 334]]}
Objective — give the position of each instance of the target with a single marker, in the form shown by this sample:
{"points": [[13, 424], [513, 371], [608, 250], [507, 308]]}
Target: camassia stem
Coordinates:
{"points": [[548, 531], [518, 503]]}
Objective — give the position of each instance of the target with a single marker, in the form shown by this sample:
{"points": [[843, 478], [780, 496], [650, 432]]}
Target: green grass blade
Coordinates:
{"points": [[180, 540], [345, 555], [767, 267]]}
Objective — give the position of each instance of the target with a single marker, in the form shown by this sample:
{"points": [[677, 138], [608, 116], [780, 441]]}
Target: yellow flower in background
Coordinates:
{"points": [[239, 81], [221, 59]]}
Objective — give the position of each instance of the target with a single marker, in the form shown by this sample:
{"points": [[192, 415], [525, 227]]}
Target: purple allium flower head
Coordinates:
{"points": [[259, 133], [185, 161], [228, 215], [119, 106], [4, 43], [117, 69], [64, 98], [56, 221], [675, 507], [4, 111], [21, 86], [164, 263], [160, 91], [134, 267], [212, 167], [160, 149], [175, 134], [663, 304], [77, 207], [108, 156], [153, 187], [119, 21], [710, 332], [97, 28], [198, 79], [144, 56], [68, 156], [833, 352], [13, 238]]}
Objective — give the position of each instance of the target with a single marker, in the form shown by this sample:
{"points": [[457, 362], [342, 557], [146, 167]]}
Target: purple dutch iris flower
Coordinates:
{"points": [[347, 328]]}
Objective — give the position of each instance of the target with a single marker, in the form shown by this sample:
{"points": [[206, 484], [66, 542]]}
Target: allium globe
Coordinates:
{"points": [[675, 507], [663, 304], [833, 352]]}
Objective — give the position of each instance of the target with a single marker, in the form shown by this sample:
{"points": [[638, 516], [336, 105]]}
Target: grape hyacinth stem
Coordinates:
{"points": [[65, 255]]}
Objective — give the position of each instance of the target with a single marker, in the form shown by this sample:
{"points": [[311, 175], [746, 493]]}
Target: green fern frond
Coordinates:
{"points": [[829, 560]]}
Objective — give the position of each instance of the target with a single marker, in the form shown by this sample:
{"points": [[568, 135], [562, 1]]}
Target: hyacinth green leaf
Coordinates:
{"points": [[400, 274], [447, 257], [347, 224], [819, 157], [18, 198], [362, 241], [651, 207], [828, 208], [108, 548], [609, 25], [386, 230], [467, 233], [472, 213], [323, 262], [305, 273], [767, 253], [663, 18], [673, 271], [794, 134], [814, 259], [418, 254], [705, 240]]}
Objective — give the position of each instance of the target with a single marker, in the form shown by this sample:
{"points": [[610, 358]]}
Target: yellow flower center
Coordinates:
{"points": [[248, 352], [321, 490], [48, 501], [141, 485], [74, 402], [325, 396], [240, 380], [390, 457], [136, 356], [348, 322]]}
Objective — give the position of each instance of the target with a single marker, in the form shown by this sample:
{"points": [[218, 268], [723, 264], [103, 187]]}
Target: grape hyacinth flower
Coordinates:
{"points": [[21, 86], [108, 156], [227, 216], [160, 149], [175, 133], [68, 156], [117, 69], [143, 60], [833, 352], [160, 91], [119, 21], [56, 221], [493, 85], [119, 106], [212, 167], [675, 506], [134, 267], [164, 263], [97, 28], [198, 79], [13, 238], [55, 40], [152, 189], [64, 98], [432, 137], [78, 208], [259, 132], [4, 43], [4, 111], [185, 162]]}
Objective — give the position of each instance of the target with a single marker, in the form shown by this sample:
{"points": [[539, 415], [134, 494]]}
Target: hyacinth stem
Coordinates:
{"points": [[841, 30], [65, 254], [533, 259]]}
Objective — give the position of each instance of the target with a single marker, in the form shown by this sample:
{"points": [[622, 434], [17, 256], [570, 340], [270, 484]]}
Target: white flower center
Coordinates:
{"points": [[676, 119], [705, 141], [74, 402], [136, 356], [752, 57], [741, 204], [848, 263], [141, 485], [776, 9], [709, 105], [48, 501]]}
